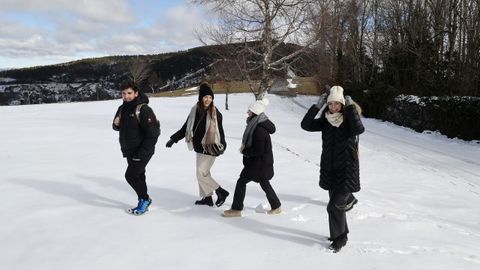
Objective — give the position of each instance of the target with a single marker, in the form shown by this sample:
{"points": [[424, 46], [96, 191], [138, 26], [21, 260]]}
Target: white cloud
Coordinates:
{"points": [[57, 29], [178, 26], [116, 11]]}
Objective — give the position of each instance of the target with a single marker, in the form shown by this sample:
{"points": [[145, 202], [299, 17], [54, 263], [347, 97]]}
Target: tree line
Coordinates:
{"points": [[422, 47]]}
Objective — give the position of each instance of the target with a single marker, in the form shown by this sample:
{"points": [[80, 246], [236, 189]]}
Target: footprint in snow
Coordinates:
{"points": [[181, 210], [300, 207], [472, 258], [369, 215], [300, 218]]}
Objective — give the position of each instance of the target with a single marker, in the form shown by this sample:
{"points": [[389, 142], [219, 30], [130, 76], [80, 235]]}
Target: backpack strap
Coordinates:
{"points": [[138, 109]]}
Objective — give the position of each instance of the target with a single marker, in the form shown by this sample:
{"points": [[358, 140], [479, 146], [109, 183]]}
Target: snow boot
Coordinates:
{"points": [[205, 201], [142, 207], [275, 211], [338, 243], [232, 213], [350, 203], [222, 195]]}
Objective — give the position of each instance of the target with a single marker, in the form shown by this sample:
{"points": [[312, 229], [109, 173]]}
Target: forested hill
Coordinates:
{"points": [[159, 69], [98, 78]]}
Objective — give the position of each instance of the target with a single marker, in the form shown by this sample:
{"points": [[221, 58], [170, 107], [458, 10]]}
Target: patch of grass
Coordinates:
{"points": [[305, 86]]}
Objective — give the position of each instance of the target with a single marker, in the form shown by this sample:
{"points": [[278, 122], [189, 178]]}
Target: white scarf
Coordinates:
{"points": [[335, 119], [211, 139]]}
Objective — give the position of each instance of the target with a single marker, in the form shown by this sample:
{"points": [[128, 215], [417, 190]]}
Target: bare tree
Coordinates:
{"points": [[139, 70], [263, 28], [426, 47]]}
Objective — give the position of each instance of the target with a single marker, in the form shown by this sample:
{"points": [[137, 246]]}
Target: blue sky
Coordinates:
{"points": [[41, 32]]}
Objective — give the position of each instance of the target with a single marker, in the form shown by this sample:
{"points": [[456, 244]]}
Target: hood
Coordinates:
{"points": [[142, 98], [268, 126]]}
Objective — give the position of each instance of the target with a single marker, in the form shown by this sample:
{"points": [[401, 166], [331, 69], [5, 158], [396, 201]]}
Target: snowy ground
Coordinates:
{"points": [[63, 196]]}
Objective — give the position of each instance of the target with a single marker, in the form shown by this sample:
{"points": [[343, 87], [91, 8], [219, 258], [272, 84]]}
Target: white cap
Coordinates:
{"points": [[336, 94], [258, 106]]}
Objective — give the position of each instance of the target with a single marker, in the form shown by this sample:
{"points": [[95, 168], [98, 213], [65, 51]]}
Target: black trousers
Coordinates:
{"points": [[241, 188], [337, 218], [135, 176]]}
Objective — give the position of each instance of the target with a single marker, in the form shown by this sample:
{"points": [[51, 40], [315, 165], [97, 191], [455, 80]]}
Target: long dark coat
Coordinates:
{"points": [[339, 166], [137, 138], [199, 128], [258, 159]]}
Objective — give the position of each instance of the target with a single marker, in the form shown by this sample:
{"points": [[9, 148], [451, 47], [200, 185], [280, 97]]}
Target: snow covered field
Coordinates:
{"points": [[64, 195]]}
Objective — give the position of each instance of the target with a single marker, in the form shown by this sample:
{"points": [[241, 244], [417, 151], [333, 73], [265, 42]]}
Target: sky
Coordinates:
{"points": [[64, 196], [42, 32]]}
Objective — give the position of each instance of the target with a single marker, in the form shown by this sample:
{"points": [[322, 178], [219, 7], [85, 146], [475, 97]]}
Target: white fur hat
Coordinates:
{"points": [[258, 106], [336, 94]]}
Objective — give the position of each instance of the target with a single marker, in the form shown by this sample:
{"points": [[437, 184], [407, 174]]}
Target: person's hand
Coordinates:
{"points": [[170, 143], [327, 89], [116, 121], [321, 101], [348, 100]]}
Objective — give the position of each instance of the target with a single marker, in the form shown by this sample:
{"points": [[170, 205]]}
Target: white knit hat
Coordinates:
{"points": [[258, 106], [336, 94]]}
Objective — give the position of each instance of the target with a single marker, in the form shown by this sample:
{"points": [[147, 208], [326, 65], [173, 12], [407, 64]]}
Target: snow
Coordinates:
{"points": [[6, 79], [191, 89], [64, 195], [421, 100]]}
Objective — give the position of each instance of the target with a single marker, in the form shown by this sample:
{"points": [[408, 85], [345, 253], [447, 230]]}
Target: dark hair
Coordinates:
{"points": [[201, 110], [128, 84]]}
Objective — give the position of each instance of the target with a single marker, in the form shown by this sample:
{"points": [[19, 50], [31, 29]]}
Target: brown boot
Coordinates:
{"points": [[275, 211], [232, 213]]}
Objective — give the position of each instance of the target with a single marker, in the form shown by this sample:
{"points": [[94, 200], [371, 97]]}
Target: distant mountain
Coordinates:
{"points": [[98, 78]]}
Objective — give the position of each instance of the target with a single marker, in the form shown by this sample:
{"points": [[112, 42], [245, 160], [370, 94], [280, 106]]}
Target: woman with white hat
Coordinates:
{"points": [[340, 125], [257, 159]]}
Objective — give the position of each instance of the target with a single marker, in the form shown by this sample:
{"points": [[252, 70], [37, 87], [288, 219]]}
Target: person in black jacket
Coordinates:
{"points": [[257, 159], [203, 133], [138, 133], [340, 125]]}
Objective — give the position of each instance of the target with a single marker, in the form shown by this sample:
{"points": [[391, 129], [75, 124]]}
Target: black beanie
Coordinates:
{"points": [[204, 90]]}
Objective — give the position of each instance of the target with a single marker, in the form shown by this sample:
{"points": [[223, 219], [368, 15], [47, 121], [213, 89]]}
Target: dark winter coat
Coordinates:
{"points": [[339, 166], [199, 128], [137, 138], [258, 159]]}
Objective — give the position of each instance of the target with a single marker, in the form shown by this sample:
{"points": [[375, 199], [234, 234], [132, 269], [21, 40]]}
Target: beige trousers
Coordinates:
{"points": [[206, 184]]}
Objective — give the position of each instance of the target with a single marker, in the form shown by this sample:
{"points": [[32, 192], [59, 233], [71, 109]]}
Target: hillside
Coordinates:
{"points": [[98, 78]]}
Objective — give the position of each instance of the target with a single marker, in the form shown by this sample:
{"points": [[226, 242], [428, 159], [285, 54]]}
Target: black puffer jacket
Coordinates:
{"points": [[199, 128], [339, 166], [137, 138], [258, 159]]}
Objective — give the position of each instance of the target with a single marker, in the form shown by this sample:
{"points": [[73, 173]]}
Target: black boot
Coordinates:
{"points": [[205, 201], [350, 202], [338, 243], [222, 195]]}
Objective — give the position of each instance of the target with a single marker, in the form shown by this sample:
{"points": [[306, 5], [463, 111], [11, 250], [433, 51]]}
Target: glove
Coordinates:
{"points": [[348, 100], [321, 101], [170, 143], [327, 89]]}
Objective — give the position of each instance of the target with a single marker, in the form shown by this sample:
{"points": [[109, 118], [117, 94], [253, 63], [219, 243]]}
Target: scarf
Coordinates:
{"points": [[251, 126], [211, 139], [335, 119]]}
